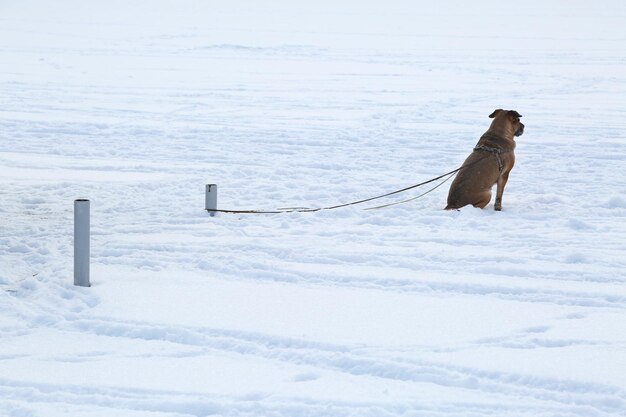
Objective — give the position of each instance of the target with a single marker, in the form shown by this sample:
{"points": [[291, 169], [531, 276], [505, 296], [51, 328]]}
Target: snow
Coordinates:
{"points": [[404, 311]]}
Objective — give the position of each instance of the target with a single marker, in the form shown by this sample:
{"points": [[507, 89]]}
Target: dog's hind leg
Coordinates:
{"points": [[482, 199], [500, 190]]}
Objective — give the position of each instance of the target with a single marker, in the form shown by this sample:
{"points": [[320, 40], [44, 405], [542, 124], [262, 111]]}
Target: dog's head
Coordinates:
{"points": [[512, 117]]}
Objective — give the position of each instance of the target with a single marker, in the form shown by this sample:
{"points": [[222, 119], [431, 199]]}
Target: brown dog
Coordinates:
{"points": [[489, 164]]}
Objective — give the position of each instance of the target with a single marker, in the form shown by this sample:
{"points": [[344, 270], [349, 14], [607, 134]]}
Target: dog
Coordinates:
{"points": [[490, 163]]}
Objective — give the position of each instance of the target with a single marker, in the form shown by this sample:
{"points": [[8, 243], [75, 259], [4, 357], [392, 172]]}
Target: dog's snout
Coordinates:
{"points": [[520, 130]]}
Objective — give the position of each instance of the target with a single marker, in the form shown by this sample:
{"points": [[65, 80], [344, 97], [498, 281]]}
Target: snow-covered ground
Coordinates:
{"points": [[403, 311]]}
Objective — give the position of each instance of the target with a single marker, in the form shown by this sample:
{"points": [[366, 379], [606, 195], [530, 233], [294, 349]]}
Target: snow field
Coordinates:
{"points": [[406, 311]]}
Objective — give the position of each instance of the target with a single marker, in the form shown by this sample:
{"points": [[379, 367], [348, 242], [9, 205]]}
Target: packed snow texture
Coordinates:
{"points": [[403, 311]]}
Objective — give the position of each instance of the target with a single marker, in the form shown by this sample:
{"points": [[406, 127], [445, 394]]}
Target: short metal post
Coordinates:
{"points": [[81, 243], [211, 199]]}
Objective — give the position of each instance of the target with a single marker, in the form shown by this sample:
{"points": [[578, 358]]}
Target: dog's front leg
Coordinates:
{"points": [[500, 190]]}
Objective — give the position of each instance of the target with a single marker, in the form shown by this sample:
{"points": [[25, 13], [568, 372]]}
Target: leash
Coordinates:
{"points": [[354, 203], [413, 198]]}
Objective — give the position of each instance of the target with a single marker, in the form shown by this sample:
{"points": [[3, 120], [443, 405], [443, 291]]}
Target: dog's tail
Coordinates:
{"points": [[453, 204]]}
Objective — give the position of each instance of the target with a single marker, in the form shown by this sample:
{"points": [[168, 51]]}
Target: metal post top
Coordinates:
{"points": [[80, 200]]}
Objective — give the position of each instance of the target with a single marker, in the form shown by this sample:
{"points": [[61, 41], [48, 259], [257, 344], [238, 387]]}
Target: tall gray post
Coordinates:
{"points": [[211, 198], [81, 243]]}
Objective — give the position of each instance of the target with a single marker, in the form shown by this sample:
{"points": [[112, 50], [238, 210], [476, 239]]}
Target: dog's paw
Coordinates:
{"points": [[497, 208]]}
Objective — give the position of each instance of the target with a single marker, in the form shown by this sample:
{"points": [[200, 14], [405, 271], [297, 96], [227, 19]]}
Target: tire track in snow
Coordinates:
{"points": [[387, 278], [522, 294], [579, 397], [14, 393]]}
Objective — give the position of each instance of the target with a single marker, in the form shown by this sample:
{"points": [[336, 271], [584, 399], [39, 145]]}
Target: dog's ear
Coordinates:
{"points": [[492, 115], [515, 113]]}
